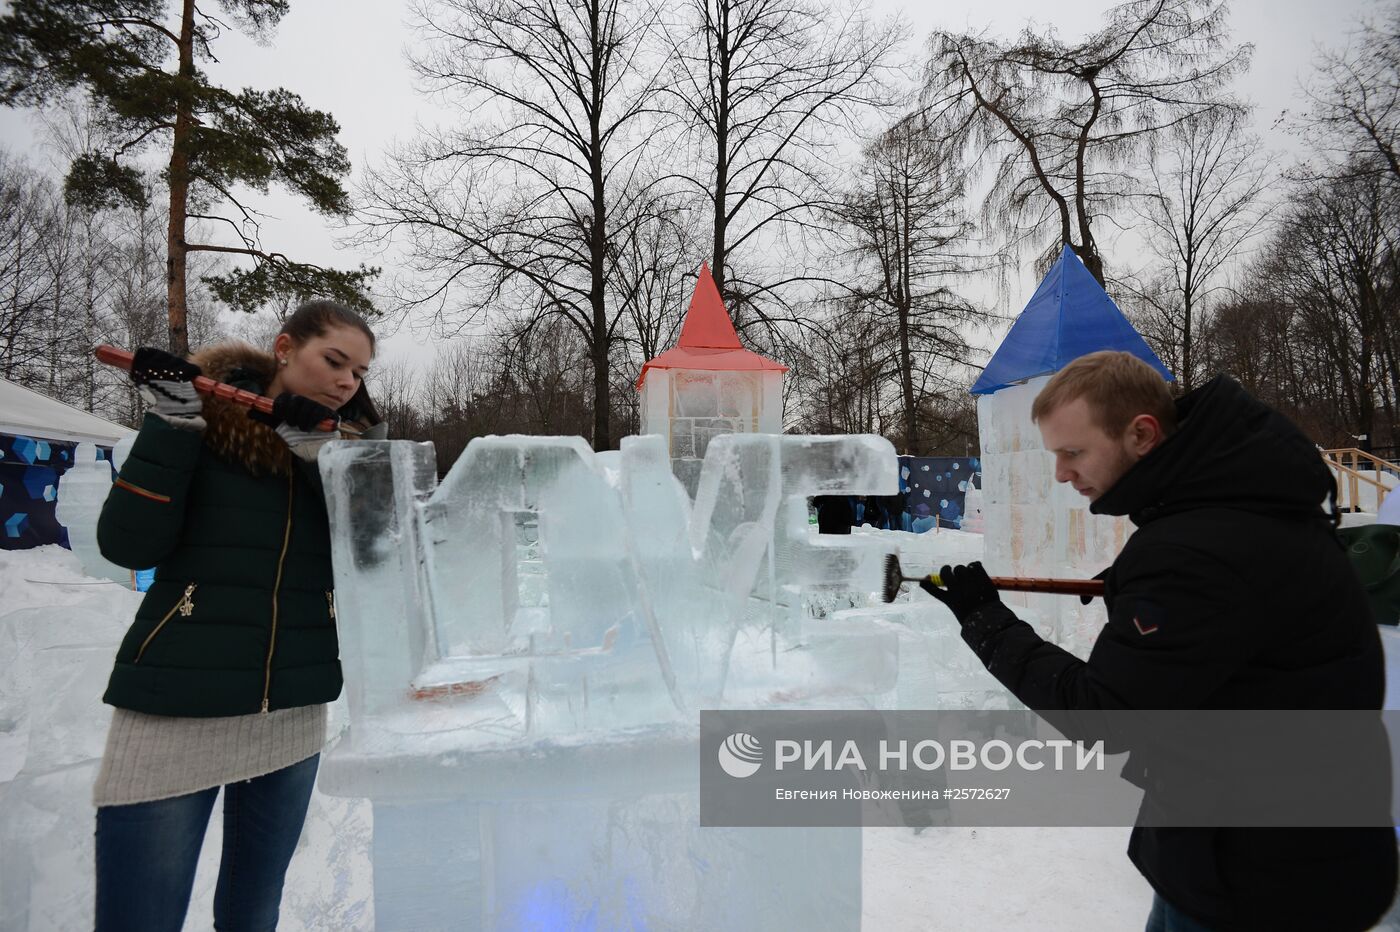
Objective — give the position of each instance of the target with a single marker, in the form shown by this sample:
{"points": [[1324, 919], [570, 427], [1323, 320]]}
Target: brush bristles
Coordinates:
{"points": [[893, 578]]}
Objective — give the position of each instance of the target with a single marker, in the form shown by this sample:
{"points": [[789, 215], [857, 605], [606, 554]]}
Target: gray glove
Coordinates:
{"points": [[305, 444], [294, 418], [166, 383]]}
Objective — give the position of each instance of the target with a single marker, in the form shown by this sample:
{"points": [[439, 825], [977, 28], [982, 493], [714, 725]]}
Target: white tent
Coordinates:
{"points": [[26, 413]]}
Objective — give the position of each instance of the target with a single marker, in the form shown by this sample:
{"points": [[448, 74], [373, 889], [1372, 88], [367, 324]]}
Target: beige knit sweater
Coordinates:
{"points": [[150, 757]]}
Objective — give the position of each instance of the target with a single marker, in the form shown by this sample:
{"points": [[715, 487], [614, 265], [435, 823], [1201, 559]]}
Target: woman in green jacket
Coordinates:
{"points": [[223, 678]]}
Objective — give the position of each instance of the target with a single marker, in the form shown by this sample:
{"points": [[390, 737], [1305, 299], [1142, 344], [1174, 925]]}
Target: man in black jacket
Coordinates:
{"points": [[1233, 593]]}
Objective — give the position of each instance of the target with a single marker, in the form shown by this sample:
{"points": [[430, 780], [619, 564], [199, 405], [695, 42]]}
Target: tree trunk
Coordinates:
{"points": [[1186, 299], [719, 252], [1092, 261], [905, 299], [1089, 251], [598, 246], [179, 190], [92, 328]]}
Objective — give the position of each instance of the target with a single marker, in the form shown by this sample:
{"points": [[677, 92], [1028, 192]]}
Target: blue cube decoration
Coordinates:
{"points": [[16, 524]]}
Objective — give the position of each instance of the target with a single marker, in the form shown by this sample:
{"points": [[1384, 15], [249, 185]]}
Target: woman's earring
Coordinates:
{"points": [[282, 360]]}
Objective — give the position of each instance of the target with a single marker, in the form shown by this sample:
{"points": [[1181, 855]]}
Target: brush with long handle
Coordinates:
{"points": [[894, 576], [121, 359]]}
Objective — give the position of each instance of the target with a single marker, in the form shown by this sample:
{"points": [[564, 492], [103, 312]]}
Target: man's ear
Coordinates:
{"points": [[1144, 434]]}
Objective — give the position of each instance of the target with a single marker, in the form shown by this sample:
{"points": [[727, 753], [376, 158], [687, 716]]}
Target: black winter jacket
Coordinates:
{"points": [[241, 616], [1233, 593]]}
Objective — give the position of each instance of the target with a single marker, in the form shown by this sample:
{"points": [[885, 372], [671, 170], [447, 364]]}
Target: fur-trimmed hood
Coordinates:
{"points": [[230, 432]]}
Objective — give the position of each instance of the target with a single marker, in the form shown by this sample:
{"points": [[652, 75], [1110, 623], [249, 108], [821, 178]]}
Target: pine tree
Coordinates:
{"points": [[118, 52]]}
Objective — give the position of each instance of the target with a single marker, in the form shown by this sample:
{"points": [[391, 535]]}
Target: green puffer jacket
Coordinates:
{"points": [[241, 616]]}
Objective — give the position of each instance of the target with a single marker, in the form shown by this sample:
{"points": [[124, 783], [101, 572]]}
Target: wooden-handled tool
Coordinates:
{"points": [[121, 359], [894, 576]]}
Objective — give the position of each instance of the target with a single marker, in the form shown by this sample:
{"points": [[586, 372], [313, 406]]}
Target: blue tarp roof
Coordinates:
{"points": [[1068, 316]]}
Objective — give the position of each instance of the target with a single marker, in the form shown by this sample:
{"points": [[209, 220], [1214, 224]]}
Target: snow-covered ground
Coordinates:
{"points": [[58, 633], [59, 629]]}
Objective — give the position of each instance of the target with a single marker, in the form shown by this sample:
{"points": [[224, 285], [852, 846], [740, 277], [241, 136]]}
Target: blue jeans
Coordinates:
{"points": [[147, 853], [1167, 918]]}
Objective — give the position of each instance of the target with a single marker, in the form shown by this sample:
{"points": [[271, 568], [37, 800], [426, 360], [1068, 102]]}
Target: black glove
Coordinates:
{"points": [[295, 418], [149, 364], [166, 382], [296, 411], [965, 590], [1101, 574]]}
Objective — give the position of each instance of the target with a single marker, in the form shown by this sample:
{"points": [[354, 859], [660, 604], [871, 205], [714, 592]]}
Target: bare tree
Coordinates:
{"points": [[1204, 201], [525, 205], [1333, 261], [66, 331], [456, 396], [394, 387], [1353, 117], [1152, 304], [136, 307], [1062, 120], [542, 370], [911, 240], [768, 89], [70, 279], [1353, 124], [840, 382], [27, 220], [1263, 342], [655, 276]]}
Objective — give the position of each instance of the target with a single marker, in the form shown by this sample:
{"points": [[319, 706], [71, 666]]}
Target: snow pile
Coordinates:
{"points": [[49, 610], [59, 630]]}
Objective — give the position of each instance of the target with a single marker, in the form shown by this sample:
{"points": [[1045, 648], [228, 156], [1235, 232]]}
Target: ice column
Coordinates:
{"points": [[81, 492]]}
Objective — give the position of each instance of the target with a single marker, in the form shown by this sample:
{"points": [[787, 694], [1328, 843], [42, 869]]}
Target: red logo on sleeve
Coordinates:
{"points": [[1144, 629]]}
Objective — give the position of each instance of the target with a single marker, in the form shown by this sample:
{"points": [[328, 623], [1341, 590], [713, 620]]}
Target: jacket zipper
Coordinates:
{"points": [[330, 602], [185, 606], [276, 589]]}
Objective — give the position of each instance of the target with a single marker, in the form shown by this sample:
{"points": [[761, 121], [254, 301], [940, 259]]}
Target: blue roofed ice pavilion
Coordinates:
{"points": [[1068, 316]]}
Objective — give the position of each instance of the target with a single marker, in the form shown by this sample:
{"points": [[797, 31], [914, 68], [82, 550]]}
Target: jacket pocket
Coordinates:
{"points": [[185, 607]]}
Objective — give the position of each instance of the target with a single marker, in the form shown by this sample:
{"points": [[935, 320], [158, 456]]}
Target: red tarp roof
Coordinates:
{"points": [[708, 340]]}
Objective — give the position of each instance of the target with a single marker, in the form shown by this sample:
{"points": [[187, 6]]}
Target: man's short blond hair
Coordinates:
{"points": [[1117, 387]]}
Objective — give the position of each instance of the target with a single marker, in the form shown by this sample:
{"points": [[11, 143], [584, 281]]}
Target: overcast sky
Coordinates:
{"points": [[347, 57]]}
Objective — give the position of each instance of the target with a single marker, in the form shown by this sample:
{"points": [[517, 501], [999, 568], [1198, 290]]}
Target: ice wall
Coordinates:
{"points": [[690, 407], [1035, 526], [527, 646]]}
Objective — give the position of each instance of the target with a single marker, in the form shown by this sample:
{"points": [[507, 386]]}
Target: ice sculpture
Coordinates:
{"points": [[527, 646], [81, 492], [121, 450], [973, 519]]}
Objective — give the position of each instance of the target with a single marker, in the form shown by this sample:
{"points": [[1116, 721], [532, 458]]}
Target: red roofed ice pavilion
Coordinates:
{"points": [[708, 384]]}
